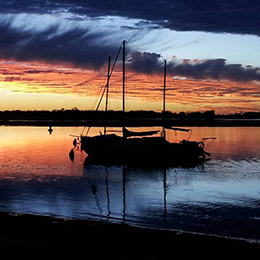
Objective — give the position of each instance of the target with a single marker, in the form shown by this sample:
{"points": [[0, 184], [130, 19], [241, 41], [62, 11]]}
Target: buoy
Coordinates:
{"points": [[71, 154], [50, 130]]}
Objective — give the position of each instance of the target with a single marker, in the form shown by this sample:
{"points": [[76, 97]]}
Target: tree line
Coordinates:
{"points": [[76, 114]]}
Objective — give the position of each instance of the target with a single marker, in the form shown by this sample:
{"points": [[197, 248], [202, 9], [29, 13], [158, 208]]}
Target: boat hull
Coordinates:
{"points": [[146, 151]]}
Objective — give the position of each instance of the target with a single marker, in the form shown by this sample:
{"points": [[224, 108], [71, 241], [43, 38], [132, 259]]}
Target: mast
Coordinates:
{"points": [[107, 86], [164, 95], [124, 76], [164, 88]]}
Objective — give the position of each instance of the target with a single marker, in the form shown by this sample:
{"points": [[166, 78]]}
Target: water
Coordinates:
{"points": [[221, 197]]}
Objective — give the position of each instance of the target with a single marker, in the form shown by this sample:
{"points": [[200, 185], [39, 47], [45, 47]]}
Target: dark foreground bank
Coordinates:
{"points": [[43, 236]]}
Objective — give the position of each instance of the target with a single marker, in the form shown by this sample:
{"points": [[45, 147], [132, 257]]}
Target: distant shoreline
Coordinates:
{"points": [[142, 122], [77, 117]]}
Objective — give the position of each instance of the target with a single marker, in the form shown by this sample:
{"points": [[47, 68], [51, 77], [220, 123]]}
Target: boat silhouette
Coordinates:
{"points": [[140, 148]]}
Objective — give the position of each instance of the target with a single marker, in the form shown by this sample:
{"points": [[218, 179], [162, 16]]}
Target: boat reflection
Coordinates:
{"points": [[106, 179], [188, 199]]}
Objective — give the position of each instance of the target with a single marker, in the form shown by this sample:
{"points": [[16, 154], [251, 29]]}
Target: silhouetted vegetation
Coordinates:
{"points": [[86, 117]]}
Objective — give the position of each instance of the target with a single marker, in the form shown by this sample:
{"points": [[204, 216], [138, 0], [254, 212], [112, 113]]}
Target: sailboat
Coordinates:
{"points": [[141, 148]]}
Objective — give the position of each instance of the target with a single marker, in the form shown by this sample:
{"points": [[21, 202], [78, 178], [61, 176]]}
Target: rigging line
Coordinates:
{"points": [[190, 134], [115, 61], [88, 130], [83, 130], [104, 90], [96, 110], [100, 100], [99, 92]]}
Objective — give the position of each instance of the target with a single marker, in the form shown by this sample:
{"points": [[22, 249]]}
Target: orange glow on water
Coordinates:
{"points": [[31, 152], [49, 86]]}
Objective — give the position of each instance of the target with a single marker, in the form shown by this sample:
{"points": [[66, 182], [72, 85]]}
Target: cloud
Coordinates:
{"points": [[58, 41], [145, 62], [38, 71], [230, 16], [11, 79], [215, 69], [233, 16], [88, 44]]}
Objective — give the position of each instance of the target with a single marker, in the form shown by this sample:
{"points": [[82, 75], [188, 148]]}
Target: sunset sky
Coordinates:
{"points": [[53, 54]]}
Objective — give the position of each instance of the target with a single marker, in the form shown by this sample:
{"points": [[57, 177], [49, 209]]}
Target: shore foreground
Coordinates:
{"points": [[33, 235]]}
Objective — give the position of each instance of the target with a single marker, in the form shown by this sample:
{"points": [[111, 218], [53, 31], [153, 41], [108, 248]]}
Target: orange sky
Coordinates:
{"points": [[32, 85]]}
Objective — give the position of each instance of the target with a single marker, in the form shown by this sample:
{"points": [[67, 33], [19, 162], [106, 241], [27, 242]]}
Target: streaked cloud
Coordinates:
{"points": [[228, 16], [54, 42]]}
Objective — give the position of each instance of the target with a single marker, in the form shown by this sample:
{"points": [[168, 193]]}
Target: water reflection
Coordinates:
{"points": [[125, 184], [177, 199], [37, 176], [185, 199], [165, 198]]}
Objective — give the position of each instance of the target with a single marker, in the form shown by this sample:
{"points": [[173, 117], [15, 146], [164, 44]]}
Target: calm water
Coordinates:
{"points": [[221, 197]]}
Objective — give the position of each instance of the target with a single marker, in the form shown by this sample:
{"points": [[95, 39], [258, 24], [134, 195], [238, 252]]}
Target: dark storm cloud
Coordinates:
{"points": [[232, 16], [216, 69], [89, 47], [144, 62], [85, 48], [74, 45]]}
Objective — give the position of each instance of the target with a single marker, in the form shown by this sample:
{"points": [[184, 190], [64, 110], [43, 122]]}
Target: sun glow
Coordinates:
{"points": [[37, 85]]}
